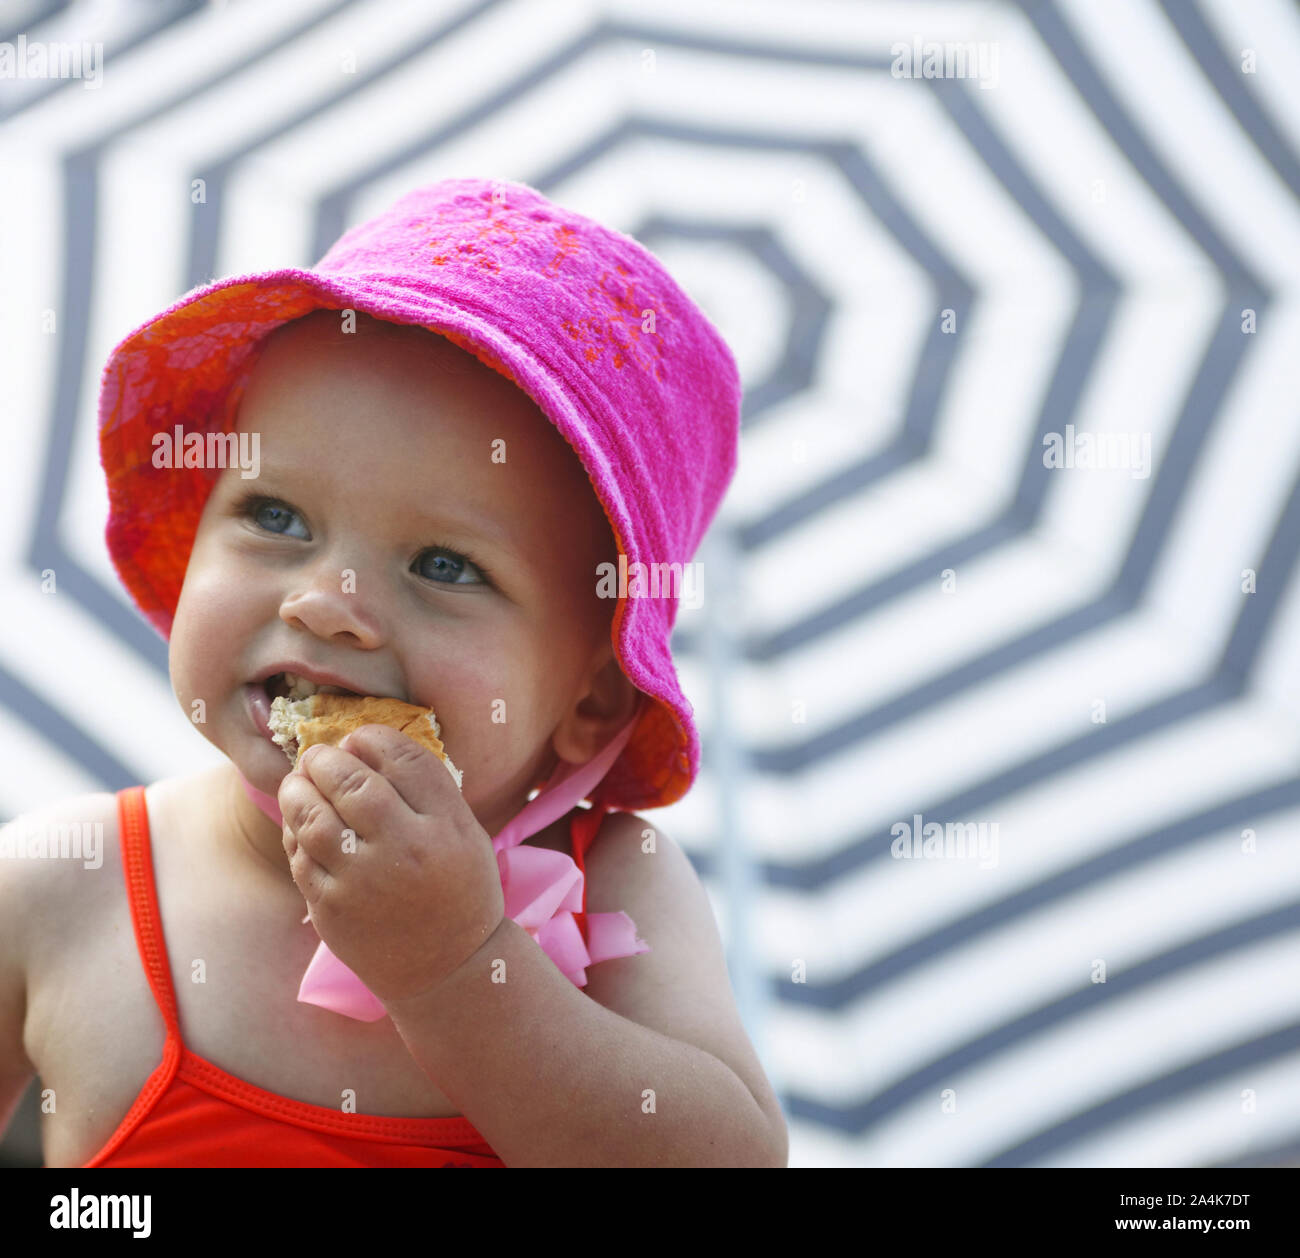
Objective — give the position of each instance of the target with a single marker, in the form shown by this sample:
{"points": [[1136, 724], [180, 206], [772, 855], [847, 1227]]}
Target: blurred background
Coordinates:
{"points": [[1010, 559]]}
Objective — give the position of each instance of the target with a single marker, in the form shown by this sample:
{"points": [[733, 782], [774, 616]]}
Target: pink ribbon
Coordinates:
{"points": [[542, 890]]}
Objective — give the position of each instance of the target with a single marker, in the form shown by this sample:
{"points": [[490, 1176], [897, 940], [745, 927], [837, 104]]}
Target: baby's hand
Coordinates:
{"points": [[415, 890]]}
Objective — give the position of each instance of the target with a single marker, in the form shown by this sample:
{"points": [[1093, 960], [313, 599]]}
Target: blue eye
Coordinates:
{"points": [[260, 509], [452, 567]]}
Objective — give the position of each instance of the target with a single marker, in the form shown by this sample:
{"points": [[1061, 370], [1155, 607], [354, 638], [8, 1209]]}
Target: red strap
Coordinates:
{"points": [[582, 831], [137, 866]]}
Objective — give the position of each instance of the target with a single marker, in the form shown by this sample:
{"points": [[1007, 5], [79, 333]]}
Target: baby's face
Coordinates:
{"points": [[382, 543]]}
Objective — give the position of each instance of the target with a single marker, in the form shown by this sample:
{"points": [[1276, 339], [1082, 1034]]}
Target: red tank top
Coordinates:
{"points": [[192, 1113]]}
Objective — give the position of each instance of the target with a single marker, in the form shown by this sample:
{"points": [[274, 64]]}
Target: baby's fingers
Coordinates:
{"points": [[412, 771], [360, 799], [313, 830]]}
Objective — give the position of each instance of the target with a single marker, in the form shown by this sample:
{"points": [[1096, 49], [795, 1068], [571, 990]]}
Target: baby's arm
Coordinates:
{"points": [[16, 1071], [651, 1066]]}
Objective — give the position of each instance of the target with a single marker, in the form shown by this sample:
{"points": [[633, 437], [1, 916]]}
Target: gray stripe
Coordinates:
{"points": [[334, 211], [960, 104], [54, 729], [37, 17], [1082, 349], [1271, 1155], [205, 228], [1092, 320], [166, 14], [860, 1117], [1088, 81], [1218, 369], [1223, 1065], [1123, 860], [1185, 17], [1229, 681]]}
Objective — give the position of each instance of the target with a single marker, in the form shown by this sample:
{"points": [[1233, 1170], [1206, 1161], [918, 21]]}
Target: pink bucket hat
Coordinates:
{"points": [[582, 318]]}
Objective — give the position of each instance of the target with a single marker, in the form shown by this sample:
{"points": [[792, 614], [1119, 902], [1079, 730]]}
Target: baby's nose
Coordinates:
{"points": [[331, 606]]}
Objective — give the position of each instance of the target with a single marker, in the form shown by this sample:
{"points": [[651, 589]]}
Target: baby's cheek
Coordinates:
{"points": [[215, 631], [496, 736], [470, 686]]}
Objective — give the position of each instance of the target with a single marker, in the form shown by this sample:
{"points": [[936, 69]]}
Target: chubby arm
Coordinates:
{"points": [[40, 899], [650, 1066], [16, 1072], [681, 988]]}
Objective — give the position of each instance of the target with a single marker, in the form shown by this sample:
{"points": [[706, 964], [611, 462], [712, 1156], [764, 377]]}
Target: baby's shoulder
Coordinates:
{"points": [[615, 860], [628, 825], [55, 862], [624, 829]]}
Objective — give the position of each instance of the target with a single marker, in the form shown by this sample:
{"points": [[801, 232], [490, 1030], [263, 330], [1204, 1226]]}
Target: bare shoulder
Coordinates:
{"points": [[681, 987], [635, 865], [45, 854]]}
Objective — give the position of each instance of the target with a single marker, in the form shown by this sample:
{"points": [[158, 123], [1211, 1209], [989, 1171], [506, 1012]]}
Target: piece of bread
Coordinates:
{"points": [[297, 724]]}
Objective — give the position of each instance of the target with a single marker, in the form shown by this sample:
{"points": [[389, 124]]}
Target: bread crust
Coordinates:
{"points": [[297, 724]]}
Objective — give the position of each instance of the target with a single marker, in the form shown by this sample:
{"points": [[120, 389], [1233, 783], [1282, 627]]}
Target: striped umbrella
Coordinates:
{"points": [[994, 653]]}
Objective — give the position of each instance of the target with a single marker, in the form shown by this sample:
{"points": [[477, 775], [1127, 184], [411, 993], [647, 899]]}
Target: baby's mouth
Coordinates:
{"points": [[291, 686]]}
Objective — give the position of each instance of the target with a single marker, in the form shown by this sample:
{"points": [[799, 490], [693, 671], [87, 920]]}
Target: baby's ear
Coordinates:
{"points": [[608, 701]]}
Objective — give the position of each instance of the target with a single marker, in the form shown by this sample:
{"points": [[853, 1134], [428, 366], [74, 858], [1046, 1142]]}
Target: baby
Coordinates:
{"points": [[475, 408]]}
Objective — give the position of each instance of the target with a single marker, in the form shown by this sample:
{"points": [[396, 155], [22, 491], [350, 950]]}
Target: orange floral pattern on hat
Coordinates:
{"points": [[477, 228]]}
